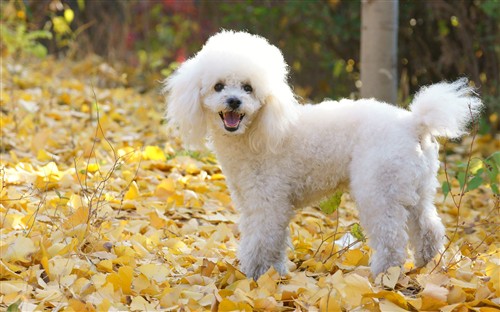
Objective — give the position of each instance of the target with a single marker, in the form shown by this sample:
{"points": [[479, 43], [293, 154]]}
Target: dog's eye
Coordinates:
{"points": [[218, 87], [248, 88]]}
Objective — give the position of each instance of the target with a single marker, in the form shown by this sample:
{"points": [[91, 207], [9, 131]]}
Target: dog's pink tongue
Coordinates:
{"points": [[231, 119]]}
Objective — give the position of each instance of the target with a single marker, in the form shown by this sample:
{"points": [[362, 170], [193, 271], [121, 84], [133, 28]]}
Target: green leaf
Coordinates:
{"points": [[38, 34], [38, 50], [331, 204], [445, 187], [491, 8], [461, 179], [475, 165], [338, 68], [496, 158], [357, 232], [443, 28], [14, 307], [81, 4], [494, 188], [491, 169], [474, 183]]}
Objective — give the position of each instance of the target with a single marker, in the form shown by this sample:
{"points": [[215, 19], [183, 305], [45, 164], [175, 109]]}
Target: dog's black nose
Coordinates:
{"points": [[233, 102]]}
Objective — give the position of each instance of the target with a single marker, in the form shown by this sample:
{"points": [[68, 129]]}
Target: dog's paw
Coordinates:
{"points": [[381, 263], [257, 270], [430, 248], [281, 268], [426, 256]]}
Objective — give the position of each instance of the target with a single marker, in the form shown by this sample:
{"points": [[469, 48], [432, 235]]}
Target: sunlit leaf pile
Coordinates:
{"points": [[101, 209]]}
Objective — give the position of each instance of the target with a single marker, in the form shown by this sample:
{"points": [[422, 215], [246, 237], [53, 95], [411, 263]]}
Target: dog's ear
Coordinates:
{"points": [[278, 113], [184, 105]]}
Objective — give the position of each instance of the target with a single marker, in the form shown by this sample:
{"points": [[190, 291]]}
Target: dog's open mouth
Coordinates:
{"points": [[231, 120]]}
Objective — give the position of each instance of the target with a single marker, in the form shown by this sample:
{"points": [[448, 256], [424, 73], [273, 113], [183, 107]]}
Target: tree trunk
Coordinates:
{"points": [[379, 29]]}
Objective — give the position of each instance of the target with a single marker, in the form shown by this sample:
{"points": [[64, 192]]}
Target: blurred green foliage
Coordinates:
{"points": [[160, 40], [16, 39], [474, 173], [438, 39], [320, 40]]}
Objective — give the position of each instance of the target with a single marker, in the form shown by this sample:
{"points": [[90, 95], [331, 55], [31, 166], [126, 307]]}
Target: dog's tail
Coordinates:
{"points": [[445, 109]]}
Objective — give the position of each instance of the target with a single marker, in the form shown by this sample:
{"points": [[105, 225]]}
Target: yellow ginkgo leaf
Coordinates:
{"points": [[140, 304], [217, 176], [154, 153], [69, 15], [42, 155], [105, 265], [227, 305], [391, 296], [20, 249], [80, 216], [133, 191], [93, 167], [330, 302], [122, 280], [64, 98], [353, 257]]}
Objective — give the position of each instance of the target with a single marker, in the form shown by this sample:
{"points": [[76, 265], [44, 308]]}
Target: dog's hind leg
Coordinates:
{"points": [[382, 195], [384, 222], [425, 229]]}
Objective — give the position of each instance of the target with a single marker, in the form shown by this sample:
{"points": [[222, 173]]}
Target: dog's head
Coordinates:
{"points": [[236, 85]]}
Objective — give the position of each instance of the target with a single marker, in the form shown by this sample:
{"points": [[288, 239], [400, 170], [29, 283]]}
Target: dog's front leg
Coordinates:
{"points": [[264, 233]]}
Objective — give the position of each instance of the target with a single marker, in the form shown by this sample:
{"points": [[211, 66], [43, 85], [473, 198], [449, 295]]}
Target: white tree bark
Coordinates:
{"points": [[379, 30]]}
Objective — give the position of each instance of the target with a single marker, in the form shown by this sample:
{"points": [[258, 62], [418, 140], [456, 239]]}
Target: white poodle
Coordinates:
{"points": [[279, 155]]}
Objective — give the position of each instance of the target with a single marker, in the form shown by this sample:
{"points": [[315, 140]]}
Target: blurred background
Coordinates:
{"points": [[142, 42]]}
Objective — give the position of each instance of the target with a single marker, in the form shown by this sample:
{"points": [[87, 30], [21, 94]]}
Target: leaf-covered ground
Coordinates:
{"points": [[101, 209]]}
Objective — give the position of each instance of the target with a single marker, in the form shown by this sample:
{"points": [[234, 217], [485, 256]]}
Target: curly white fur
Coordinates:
{"points": [[278, 155]]}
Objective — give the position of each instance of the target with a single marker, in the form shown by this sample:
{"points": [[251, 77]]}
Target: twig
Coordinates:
{"points": [[462, 190]]}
